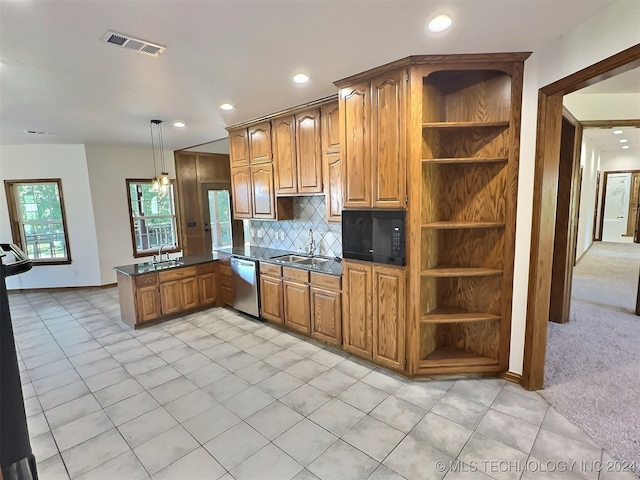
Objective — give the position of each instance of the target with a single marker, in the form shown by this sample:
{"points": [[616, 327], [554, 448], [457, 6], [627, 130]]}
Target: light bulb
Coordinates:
{"points": [[617, 132], [300, 78], [439, 23], [164, 179], [179, 125], [226, 106], [624, 147], [155, 184], [623, 140]]}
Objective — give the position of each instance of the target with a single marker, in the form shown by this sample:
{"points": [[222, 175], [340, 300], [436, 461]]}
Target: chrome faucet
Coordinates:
{"points": [[312, 243], [159, 258]]}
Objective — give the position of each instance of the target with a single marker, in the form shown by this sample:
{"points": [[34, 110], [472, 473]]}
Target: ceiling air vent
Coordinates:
{"points": [[131, 43]]}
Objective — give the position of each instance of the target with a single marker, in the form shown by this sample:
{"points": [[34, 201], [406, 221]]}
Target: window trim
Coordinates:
{"points": [[149, 253], [14, 218]]}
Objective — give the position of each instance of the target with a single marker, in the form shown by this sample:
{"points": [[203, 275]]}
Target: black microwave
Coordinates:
{"points": [[374, 235]]}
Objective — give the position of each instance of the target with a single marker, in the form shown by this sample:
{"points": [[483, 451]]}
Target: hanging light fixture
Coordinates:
{"points": [[159, 184]]}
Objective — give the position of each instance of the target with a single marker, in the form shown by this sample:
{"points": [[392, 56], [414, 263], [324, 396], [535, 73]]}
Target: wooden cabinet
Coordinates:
{"points": [[263, 193], [297, 311], [241, 187], [389, 316], [170, 293], [355, 144], [239, 147], [260, 143], [308, 151], [225, 284], [330, 114], [148, 303], [271, 306], [326, 308], [208, 289], [333, 186], [374, 312], [284, 155], [189, 293]]}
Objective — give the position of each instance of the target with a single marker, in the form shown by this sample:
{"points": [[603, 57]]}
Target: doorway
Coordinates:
{"points": [[216, 210], [619, 208]]}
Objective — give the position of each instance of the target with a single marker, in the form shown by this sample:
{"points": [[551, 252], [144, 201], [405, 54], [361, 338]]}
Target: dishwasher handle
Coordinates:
{"points": [[244, 263]]}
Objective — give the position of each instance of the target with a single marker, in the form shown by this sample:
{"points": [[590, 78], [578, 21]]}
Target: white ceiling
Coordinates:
{"points": [[58, 77], [605, 139]]}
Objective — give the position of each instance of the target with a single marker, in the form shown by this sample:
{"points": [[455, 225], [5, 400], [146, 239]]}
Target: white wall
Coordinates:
{"points": [[109, 167], [217, 146], [614, 160], [611, 31], [67, 162], [604, 106], [590, 161]]}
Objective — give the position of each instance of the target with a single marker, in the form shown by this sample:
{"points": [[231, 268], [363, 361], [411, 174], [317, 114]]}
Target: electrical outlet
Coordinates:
{"points": [[282, 235], [259, 233], [252, 232]]}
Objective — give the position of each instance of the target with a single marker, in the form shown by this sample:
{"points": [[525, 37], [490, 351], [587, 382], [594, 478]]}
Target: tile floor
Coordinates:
{"points": [[215, 395]]}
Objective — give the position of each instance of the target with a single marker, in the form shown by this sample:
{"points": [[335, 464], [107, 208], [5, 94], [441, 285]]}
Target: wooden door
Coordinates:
{"points": [[309, 151], [147, 303], [596, 235], [239, 147], [241, 192], [260, 143], [189, 296], [389, 316], [356, 309], [263, 194], [333, 186], [271, 307], [634, 199], [326, 315], [355, 144], [170, 297], [297, 314], [388, 140], [207, 283], [284, 155], [330, 115]]}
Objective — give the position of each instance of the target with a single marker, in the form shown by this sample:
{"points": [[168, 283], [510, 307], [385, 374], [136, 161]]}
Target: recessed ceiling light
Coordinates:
{"points": [[439, 23], [623, 140], [617, 132], [227, 106], [179, 125], [300, 78], [624, 147]]}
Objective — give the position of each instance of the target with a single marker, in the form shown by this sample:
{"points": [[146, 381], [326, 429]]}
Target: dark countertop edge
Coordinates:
{"points": [[147, 267]]}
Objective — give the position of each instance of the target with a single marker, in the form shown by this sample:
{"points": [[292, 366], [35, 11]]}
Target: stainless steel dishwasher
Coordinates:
{"points": [[244, 276]]}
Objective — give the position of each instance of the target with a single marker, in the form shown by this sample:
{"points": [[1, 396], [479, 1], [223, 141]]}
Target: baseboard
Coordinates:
{"points": [[61, 289], [511, 377], [584, 253]]}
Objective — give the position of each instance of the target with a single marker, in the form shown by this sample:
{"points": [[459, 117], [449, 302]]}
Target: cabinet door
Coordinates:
{"points": [[241, 192], [170, 297], [189, 297], [148, 303], [333, 186], [207, 283], [356, 306], [263, 194], [297, 315], [388, 140], [326, 315], [239, 147], [389, 316], [284, 155], [355, 144], [309, 151], [260, 143], [330, 127], [271, 299]]}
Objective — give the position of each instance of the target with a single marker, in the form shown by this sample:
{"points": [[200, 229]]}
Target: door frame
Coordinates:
{"points": [[545, 197], [604, 194]]}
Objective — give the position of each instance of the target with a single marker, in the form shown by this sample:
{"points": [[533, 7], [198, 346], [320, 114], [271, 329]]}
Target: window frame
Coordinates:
{"points": [[152, 252], [15, 219]]}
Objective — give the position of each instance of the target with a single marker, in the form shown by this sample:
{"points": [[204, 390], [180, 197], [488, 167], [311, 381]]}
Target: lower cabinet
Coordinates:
{"points": [[271, 307], [297, 311], [207, 284], [170, 297], [224, 280], [326, 315], [374, 312], [148, 301]]}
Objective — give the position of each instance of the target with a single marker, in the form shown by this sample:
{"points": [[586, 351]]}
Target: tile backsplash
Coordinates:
{"points": [[293, 235]]}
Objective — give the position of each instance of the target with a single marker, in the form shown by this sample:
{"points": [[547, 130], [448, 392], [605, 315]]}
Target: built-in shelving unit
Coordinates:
{"points": [[467, 216]]}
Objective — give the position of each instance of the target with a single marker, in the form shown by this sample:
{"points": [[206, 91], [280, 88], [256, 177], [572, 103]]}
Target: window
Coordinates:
{"points": [[153, 218], [38, 225], [220, 218]]}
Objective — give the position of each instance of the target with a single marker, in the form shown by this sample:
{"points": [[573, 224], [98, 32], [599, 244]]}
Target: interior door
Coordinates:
{"points": [[216, 209], [633, 205]]}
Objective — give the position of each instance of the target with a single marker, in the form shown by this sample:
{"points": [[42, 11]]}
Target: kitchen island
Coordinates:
{"points": [[150, 292]]}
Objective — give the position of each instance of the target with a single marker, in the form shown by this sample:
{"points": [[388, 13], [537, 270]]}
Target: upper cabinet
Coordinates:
{"points": [[260, 143], [284, 153], [332, 161], [330, 114], [239, 147], [308, 150], [373, 141]]}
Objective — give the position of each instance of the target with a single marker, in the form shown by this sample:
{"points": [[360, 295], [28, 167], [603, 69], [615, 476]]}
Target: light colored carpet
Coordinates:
{"points": [[592, 371]]}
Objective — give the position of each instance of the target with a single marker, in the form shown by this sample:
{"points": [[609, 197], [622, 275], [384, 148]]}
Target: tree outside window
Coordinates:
{"points": [[38, 225], [152, 217]]}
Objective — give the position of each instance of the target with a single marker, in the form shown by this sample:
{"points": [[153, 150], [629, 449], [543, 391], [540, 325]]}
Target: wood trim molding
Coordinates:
{"points": [[544, 203], [585, 252], [611, 123], [511, 377], [60, 289]]}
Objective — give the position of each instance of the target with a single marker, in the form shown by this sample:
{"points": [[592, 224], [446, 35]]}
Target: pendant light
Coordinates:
{"points": [[159, 184]]}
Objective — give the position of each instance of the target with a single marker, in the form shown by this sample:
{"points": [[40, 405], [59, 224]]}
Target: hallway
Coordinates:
{"points": [[593, 361]]}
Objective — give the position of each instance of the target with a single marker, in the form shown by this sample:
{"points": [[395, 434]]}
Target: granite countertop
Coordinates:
{"points": [[146, 267], [332, 267]]}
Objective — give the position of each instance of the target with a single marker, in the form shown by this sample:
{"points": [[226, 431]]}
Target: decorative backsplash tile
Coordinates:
{"points": [[293, 235]]}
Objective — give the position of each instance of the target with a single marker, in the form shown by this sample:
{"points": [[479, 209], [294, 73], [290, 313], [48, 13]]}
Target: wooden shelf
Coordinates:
{"points": [[446, 356], [465, 124], [460, 272], [455, 160], [461, 224], [456, 315]]}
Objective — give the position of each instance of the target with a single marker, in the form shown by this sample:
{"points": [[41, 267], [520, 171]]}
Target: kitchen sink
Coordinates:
{"points": [[290, 258], [314, 262], [167, 263]]}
